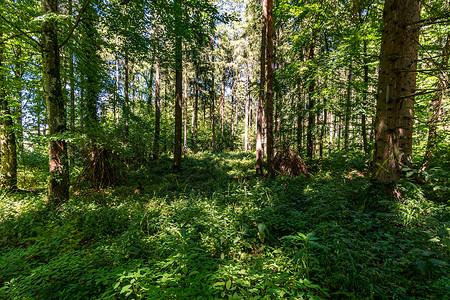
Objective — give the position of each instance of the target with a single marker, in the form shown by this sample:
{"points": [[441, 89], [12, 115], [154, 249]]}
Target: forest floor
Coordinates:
{"points": [[214, 230]]}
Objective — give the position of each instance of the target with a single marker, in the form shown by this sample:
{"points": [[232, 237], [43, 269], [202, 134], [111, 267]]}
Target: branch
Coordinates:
{"points": [[76, 23], [21, 31]]}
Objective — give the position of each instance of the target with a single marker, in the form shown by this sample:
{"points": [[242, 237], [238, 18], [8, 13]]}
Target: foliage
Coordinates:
{"points": [[215, 230]]}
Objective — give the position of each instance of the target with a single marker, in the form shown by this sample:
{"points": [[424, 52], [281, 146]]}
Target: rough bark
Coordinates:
{"points": [[259, 122], [58, 186], [396, 89], [8, 165], [195, 120], [269, 95], [365, 92]]}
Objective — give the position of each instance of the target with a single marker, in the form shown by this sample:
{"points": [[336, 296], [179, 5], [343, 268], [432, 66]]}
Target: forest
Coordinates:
{"points": [[219, 149]]}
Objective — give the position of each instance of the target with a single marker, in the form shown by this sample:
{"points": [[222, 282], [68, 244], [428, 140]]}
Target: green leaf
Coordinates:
{"points": [[228, 285], [125, 288]]}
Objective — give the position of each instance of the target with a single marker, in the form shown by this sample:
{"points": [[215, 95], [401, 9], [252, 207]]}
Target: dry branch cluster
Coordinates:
{"points": [[288, 162]]}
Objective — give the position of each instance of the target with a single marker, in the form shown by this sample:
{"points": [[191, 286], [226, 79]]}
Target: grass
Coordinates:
{"points": [[214, 230]]}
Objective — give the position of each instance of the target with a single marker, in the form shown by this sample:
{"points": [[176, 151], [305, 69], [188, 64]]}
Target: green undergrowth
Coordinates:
{"points": [[214, 230]]}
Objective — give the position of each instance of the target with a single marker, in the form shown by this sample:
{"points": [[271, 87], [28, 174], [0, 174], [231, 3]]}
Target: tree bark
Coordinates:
{"points": [[396, 89], [178, 86], [311, 107], [365, 92], [8, 165], [259, 122], [58, 186], [269, 95], [348, 108], [195, 120], [157, 113]]}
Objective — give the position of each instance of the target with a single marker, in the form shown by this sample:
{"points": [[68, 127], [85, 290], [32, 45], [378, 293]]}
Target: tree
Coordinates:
{"points": [[259, 121], [269, 99], [8, 166], [58, 186], [396, 89]]}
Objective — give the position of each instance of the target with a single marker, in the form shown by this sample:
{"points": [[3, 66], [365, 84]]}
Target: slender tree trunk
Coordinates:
{"points": [[347, 109], [195, 120], [58, 186], [116, 94], [150, 90], [126, 100], [396, 89], [247, 109], [178, 87], [259, 124], [72, 94], [213, 101], [436, 107], [311, 107], [269, 99], [8, 165], [365, 92], [185, 110], [157, 113], [222, 105]]}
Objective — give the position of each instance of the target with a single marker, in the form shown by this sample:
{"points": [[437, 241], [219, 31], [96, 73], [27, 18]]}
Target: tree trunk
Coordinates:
{"points": [[195, 120], [259, 125], [126, 100], [365, 92], [58, 186], [436, 107], [311, 107], [269, 99], [213, 116], [8, 166], [157, 113], [396, 89], [185, 111], [178, 87], [247, 109], [347, 109]]}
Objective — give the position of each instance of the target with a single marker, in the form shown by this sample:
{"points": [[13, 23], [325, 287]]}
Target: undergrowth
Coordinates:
{"points": [[214, 230]]}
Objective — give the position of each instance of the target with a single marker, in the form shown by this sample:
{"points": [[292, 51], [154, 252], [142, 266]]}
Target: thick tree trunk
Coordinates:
{"points": [[269, 99], [58, 186], [157, 113], [8, 166], [259, 122], [436, 107], [247, 109], [396, 89]]}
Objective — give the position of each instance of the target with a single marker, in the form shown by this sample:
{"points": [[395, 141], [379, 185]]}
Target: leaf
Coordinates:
{"points": [[125, 288], [317, 245], [228, 285]]}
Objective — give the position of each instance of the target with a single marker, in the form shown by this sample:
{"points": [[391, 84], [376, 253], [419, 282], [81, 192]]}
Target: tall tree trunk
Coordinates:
{"points": [[178, 86], [126, 100], [436, 106], [365, 93], [247, 108], [116, 93], [157, 113], [396, 89], [8, 166], [222, 105], [185, 103], [311, 107], [72, 93], [195, 120], [259, 124], [347, 108], [269, 98], [150, 90], [58, 186], [213, 115]]}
